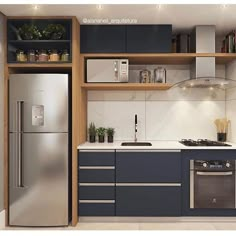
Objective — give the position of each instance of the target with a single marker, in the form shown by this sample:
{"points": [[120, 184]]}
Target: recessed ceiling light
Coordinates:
{"points": [[99, 6], [35, 7], [211, 88]]}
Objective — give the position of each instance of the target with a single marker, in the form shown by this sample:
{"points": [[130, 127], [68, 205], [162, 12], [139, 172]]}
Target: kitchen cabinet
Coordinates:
{"points": [[149, 38], [125, 38], [96, 180], [148, 200], [148, 183], [16, 42], [102, 38], [148, 166]]}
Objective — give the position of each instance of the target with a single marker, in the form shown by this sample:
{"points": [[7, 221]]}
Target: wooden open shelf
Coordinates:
{"points": [[164, 58], [124, 86], [39, 65]]}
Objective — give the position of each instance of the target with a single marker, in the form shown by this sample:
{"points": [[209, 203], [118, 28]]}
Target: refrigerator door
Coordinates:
{"points": [[44, 99], [42, 198]]}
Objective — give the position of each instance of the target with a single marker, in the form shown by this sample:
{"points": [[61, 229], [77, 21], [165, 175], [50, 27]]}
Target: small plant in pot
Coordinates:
{"points": [[110, 134], [92, 133], [101, 134], [54, 32], [29, 32]]}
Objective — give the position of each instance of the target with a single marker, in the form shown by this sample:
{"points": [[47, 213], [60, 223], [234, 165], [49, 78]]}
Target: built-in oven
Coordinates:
{"points": [[212, 184]]}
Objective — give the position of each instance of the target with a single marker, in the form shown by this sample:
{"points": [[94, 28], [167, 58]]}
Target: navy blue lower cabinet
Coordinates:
{"points": [[94, 192], [96, 158], [148, 200], [97, 175], [96, 208], [148, 166]]}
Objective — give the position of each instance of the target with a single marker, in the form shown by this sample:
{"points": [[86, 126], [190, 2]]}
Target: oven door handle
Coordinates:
{"points": [[214, 173]]}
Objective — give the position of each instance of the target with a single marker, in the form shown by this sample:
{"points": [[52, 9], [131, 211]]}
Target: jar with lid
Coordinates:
{"points": [[43, 55], [54, 55], [20, 56], [31, 56], [65, 55]]}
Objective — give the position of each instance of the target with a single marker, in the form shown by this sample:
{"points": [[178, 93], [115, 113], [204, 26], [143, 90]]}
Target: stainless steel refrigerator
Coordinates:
{"points": [[38, 149]]}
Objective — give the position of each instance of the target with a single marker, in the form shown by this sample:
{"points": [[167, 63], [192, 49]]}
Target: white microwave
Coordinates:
{"points": [[107, 70]]}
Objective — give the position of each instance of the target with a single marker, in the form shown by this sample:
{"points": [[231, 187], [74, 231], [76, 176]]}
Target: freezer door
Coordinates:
{"points": [[44, 102], [42, 197]]}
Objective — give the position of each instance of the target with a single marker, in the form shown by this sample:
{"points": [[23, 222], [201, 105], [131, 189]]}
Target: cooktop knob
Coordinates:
{"points": [[227, 164], [204, 164]]}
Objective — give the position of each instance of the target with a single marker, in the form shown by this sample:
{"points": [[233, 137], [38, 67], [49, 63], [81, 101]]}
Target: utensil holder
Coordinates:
{"points": [[221, 137]]}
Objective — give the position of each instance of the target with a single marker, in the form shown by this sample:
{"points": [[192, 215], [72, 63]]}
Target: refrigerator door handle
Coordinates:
{"points": [[19, 143]]}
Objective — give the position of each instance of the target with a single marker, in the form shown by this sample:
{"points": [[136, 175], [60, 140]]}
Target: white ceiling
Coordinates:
{"points": [[182, 17]]}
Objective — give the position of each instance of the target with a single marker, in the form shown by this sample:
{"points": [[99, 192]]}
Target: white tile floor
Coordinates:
{"points": [[147, 224]]}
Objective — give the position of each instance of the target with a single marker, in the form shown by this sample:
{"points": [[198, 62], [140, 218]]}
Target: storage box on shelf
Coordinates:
{"points": [[30, 41]]}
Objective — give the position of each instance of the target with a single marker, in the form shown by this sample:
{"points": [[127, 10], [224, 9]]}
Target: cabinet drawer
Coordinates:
{"points": [[148, 167], [96, 176], [148, 201], [96, 192], [96, 158], [96, 209]]}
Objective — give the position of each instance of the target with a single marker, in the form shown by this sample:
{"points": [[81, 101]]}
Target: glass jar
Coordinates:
{"points": [[65, 55], [43, 55], [20, 56], [54, 56], [31, 56]]}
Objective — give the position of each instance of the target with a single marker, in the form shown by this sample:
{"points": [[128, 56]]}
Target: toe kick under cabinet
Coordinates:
{"points": [[129, 183]]}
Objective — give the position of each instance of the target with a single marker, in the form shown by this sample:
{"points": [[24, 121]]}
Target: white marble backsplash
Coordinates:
{"points": [[162, 115]]}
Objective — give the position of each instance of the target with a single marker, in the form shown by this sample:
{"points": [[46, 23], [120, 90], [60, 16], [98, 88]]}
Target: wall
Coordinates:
{"points": [[162, 115], [1, 111], [231, 101]]}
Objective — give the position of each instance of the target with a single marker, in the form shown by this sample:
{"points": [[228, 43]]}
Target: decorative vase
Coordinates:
{"points": [[92, 138]]}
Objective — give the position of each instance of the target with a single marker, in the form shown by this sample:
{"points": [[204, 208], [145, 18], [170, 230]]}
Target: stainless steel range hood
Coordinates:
{"points": [[202, 74]]}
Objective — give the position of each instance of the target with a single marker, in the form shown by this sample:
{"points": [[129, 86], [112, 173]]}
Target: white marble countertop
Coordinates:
{"points": [[159, 145]]}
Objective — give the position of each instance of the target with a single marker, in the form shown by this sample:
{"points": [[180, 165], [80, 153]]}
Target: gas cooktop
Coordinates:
{"points": [[202, 142]]}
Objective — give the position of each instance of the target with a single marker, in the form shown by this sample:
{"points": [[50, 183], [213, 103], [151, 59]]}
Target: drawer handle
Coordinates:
{"points": [[97, 167], [97, 184], [150, 184], [97, 201]]}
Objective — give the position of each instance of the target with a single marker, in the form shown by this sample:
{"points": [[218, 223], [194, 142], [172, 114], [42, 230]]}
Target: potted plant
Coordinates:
{"points": [[101, 134], [92, 133], [29, 32], [110, 134], [54, 31]]}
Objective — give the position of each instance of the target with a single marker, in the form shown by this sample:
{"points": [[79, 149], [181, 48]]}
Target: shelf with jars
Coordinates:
{"points": [[39, 41]]}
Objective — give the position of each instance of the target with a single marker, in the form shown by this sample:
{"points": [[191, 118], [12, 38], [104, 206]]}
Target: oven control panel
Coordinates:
{"points": [[213, 165]]}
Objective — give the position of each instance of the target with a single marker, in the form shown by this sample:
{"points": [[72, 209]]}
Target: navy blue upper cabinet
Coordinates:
{"points": [[149, 38], [102, 38]]}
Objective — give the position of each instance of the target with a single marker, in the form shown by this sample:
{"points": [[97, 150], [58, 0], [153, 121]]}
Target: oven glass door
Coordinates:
{"points": [[214, 189]]}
